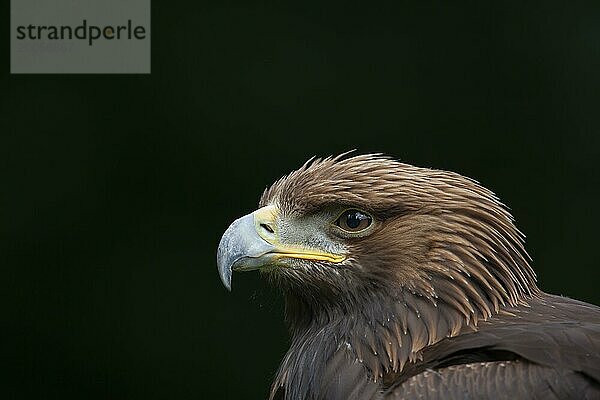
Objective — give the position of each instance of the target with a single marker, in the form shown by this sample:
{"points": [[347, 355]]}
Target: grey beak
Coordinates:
{"points": [[241, 248]]}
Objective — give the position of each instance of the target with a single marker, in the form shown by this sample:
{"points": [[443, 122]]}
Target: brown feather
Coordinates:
{"points": [[444, 280]]}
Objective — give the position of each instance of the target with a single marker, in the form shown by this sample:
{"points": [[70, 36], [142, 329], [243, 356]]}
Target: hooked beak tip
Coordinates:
{"points": [[227, 283], [240, 242]]}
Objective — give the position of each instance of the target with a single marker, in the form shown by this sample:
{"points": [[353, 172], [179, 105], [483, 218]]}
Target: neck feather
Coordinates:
{"points": [[382, 329]]}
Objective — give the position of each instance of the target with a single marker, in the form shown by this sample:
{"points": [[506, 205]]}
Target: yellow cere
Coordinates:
{"points": [[268, 215]]}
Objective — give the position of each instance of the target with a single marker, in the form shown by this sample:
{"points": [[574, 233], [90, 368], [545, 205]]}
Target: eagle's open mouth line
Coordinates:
{"points": [[309, 256]]}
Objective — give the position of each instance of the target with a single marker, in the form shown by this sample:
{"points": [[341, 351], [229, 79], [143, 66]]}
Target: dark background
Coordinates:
{"points": [[115, 190]]}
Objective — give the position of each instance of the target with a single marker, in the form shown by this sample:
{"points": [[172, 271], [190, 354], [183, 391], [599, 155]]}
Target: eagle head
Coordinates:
{"points": [[389, 270], [339, 229]]}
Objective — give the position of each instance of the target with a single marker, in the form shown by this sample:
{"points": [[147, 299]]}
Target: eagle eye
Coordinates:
{"points": [[354, 221]]}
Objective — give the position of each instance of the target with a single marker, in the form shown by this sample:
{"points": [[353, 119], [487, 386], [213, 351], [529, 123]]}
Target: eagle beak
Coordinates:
{"points": [[253, 242], [241, 247]]}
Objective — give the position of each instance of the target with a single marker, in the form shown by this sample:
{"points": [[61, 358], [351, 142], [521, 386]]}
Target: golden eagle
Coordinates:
{"points": [[403, 282]]}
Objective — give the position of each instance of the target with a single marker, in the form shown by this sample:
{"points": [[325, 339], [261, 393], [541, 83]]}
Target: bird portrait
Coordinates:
{"points": [[402, 282]]}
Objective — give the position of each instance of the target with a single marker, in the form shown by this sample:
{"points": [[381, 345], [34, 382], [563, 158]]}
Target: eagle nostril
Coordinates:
{"points": [[267, 228]]}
